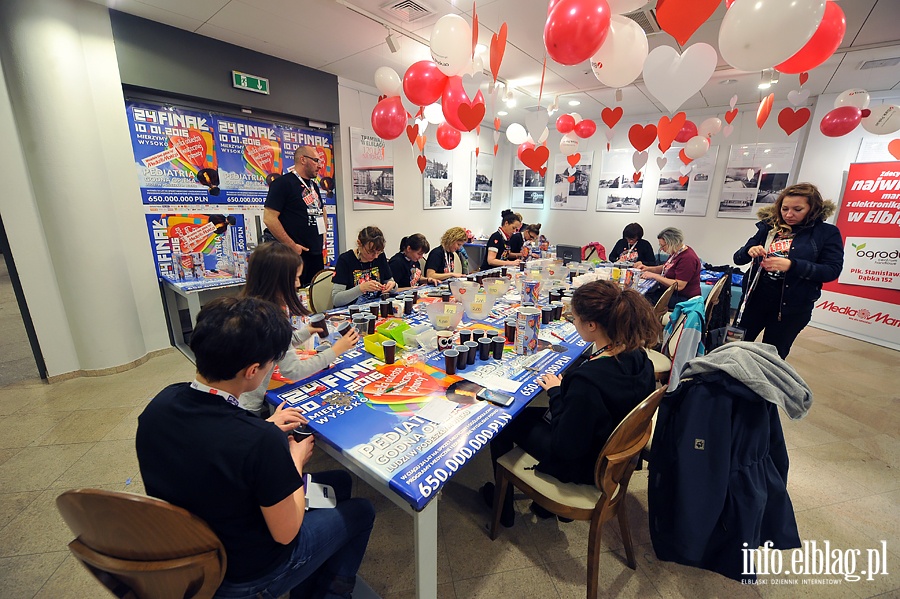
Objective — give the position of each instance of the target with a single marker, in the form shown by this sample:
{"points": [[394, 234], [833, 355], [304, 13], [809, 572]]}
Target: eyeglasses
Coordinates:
{"points": [[315, 159]]}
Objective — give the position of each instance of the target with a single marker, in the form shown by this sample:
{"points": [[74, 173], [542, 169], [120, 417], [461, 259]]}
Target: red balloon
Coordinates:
{"points": [[688, 130], [585, 128], [454, 95], [389, 118], [821, 45], [448, 137], [423, 83], [565, 123], [522, 147], [840, 121], [576, 29]]}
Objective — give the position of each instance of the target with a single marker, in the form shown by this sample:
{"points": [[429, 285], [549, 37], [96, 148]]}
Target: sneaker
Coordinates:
{"points": [[508, 515], [543, 513]]}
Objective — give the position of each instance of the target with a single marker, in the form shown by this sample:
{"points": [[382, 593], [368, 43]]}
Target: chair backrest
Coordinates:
{"points": [[618, 457], [670, 344], [320, 287], [713, 298], [593, 251], [662, 306], [146, 545]]}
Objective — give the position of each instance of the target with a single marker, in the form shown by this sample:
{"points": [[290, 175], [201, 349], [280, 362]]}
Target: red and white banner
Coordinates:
{"points": [[865, 301]]}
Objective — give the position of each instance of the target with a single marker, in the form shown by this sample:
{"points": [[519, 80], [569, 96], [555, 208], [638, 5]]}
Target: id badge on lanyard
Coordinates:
{"points": [[311, 199]]}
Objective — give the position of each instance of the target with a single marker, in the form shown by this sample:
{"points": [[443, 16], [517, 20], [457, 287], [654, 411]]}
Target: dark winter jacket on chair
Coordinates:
{"points": [[718, 468]]}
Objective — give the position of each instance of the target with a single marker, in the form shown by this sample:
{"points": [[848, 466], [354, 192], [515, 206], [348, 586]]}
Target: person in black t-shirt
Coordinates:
{"points": [[198, 449], [497, 251], [295, 214], [363, 274], [446, 261], [405, 266], [633, 247]]}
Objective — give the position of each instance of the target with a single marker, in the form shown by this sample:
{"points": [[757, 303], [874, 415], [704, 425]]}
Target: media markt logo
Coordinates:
{"points": [[815, 563], [859, 315]]}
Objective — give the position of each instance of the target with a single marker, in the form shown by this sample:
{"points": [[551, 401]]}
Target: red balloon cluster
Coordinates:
{"points": [[389, 118], [583, 128], [575, 29]]}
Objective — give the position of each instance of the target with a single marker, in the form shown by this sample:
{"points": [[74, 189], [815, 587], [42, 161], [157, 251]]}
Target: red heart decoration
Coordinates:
{"points": [[477, 151], [422, 162], [263, 156], [791, 120], [497, 123], [894, 148], [535, 158], [684, 158], [636, 177], [804, 77], [764, 110], [498, 47], [681, 18], [407, 383], [420, 141], [642, 136], [542, 171], [474, 30], [667, 129], [683, 180], [573, 158], [729, 116], [412, 132], [496, 149], [571, 179], [462, 290], [611, 116], [470, 115]]}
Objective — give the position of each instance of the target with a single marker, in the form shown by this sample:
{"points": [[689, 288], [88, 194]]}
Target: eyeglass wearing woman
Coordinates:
{"points": [[682, 268], [497, 250], [633, 247], [361, 275], [797, 252]]}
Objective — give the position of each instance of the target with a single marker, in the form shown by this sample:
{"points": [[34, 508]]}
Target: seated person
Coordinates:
{"points": [[405, 266], [589, 402], [535, 243], [497, 251], [446, 262], [363, 274], [633, 247], [201, 451], [682, 267], [517, 241]]}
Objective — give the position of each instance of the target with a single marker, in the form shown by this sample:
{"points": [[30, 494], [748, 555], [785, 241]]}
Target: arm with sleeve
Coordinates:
{"points": [[343, 291]]}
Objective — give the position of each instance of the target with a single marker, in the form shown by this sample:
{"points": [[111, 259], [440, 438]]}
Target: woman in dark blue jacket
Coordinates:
{"points": [[798, 252]]}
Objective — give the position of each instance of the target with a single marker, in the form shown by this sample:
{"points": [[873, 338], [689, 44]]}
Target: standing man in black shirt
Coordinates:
{"points": [[295, 213]]}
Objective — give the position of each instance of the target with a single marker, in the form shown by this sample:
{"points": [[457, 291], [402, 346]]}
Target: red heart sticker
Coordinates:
{"points": [[422, 162], [642, 136], [571, 179], [764, 110], [535, 158], [894, 148], [729, 116], [462, 290], [573, 159], [684, 157], [683, 180], [470, 115], [790, 120], [804, 77], [611, 116], [636, 177], [412, 132], [404, 383], [498, 47], [667, 129], [681, 18]]}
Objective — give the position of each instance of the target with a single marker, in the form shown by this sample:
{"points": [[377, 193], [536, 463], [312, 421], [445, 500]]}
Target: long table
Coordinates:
{"points": [[366, 415]]}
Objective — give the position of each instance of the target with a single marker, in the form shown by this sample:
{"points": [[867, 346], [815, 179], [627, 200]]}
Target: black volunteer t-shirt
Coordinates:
{"points": [[350, 272], [406, 272], [299, 204], [498, 243], [441, 261], [516, 241]]}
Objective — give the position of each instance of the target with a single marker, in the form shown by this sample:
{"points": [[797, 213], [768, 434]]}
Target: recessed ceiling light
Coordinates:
{"points": [[727, 81], [502, 113], [479, 48], [574, 102]]}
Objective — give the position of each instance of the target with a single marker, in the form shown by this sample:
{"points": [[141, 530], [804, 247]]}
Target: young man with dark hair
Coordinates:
{"points": [[198, 449]]}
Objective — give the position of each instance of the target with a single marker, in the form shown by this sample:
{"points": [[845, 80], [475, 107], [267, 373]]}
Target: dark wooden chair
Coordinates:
{"points": [[599, 502], [143, 548]]}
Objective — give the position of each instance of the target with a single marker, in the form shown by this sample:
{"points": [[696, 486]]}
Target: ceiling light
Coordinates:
{"points": [[479, 48], [502, 113], [574, 102], [393, 41], [767, 78]]}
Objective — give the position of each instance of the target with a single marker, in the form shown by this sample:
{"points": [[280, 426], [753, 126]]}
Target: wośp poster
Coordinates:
{"points": [[755, 175]]}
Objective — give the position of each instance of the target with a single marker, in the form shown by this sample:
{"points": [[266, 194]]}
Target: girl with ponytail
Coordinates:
{"points": [[405, 265]]}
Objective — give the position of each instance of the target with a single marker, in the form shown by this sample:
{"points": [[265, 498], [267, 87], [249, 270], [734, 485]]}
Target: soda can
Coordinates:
{"points": [[530, 291], [635, 277], [197, 265], [178, 270], [528, 323]]}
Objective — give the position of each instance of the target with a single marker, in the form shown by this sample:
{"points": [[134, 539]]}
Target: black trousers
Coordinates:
{"points": [[761, 314], [312, 263]]}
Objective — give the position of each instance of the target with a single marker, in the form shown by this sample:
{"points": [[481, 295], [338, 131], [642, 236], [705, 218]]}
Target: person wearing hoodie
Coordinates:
{"points": [[592, 399], [797, 252]]}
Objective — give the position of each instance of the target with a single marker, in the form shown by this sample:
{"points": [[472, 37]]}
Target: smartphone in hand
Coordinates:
{"points": [[498, 398]]}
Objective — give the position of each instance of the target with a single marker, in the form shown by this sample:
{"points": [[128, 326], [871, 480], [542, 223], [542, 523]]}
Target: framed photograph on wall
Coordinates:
{"points": [[373, 171], [754, 176], [617, 190], [527, 188], [571, 182], [482, 181], [437, 178], [685, 191]]}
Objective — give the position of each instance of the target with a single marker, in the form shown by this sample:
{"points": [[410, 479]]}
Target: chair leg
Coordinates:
{"points": [[626, 534], [500, 486], [593, 558]]}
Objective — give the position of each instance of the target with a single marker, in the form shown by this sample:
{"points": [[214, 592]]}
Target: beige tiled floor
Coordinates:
{"points": [[844, 482]]}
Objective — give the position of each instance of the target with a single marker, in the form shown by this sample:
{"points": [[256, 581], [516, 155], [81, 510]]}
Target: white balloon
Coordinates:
{"points": [[620, 59], [672, 78], [620, 7], [759, 34], [853, 97], [568, 145], [696, 147], [434, 114], [388, 81], [710, 127], [516, 134], [451, 44], [885, 119], [577, 117]]}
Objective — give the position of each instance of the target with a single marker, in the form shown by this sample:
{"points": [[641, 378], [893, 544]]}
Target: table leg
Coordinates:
{"points": [[425, 524], [193, 302]]}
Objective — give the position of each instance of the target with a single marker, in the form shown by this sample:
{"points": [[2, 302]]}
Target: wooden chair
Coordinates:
{"points": [[141, 547], [662, 359], [661, 309], [598, 503], [319, 292], [713, 298]]}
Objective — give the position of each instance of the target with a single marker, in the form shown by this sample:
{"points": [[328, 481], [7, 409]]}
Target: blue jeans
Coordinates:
{"points": [[327, 551]]}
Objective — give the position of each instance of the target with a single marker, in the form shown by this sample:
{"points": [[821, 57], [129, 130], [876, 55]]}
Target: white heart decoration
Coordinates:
{"points": [[750, 173], [727, 130], [639, 159], [796, 98], [610, 134], [661, 162], [544, 135], [684, 170], [672, 78], [422, 124], [496, 137], [536, 122], [472, 83], [733, 100]]}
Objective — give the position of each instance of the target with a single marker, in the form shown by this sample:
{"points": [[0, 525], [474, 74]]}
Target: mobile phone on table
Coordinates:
{"points": [[301, 432], [496, 397]]}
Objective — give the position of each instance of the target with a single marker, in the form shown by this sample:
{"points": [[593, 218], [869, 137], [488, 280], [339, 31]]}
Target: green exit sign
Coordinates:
{"points": [[251, 83]]}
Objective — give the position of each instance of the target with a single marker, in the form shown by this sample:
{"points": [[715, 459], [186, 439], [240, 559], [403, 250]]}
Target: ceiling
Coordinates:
{"points": [[347, 38]]}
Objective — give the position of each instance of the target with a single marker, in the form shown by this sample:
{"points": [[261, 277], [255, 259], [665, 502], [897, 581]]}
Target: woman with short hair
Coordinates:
{"points": [[682, 268], [633, 247]]}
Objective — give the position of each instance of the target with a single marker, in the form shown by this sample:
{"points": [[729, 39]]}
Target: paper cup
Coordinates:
{"points": [[450, 356], [463, 357], [444, 340], [318, 322], [390, 351], [528, 323], [484, 348], [497, 344], [473, 352]]}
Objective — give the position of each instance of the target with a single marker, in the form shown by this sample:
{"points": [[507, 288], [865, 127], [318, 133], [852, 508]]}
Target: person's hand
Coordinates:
{"points": [[646, 274], [757, 251], [370, 286], [548, 381], [287, 419], [389, 285], [300, 248], [776, 264], [301, 451], [346, 342], [639, 265], [525, 252], [431, 281]]}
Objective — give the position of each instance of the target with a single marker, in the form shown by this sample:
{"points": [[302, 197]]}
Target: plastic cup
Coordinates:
{"points": [[318, 322], [415, 295], [386, 309], [546, 314], [446, 296], [555, 295], [371, 320], [450, 356], [522, 266], [354, 310], [509, 329], [390, 350], [557, 310], [484, 348], [463, 356], [444, 339], [344, 328], [360, 321], [408, 305], [473, 351], [490, 334], [498, 343], [477, 334], [373, 309], [465, 335]]}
